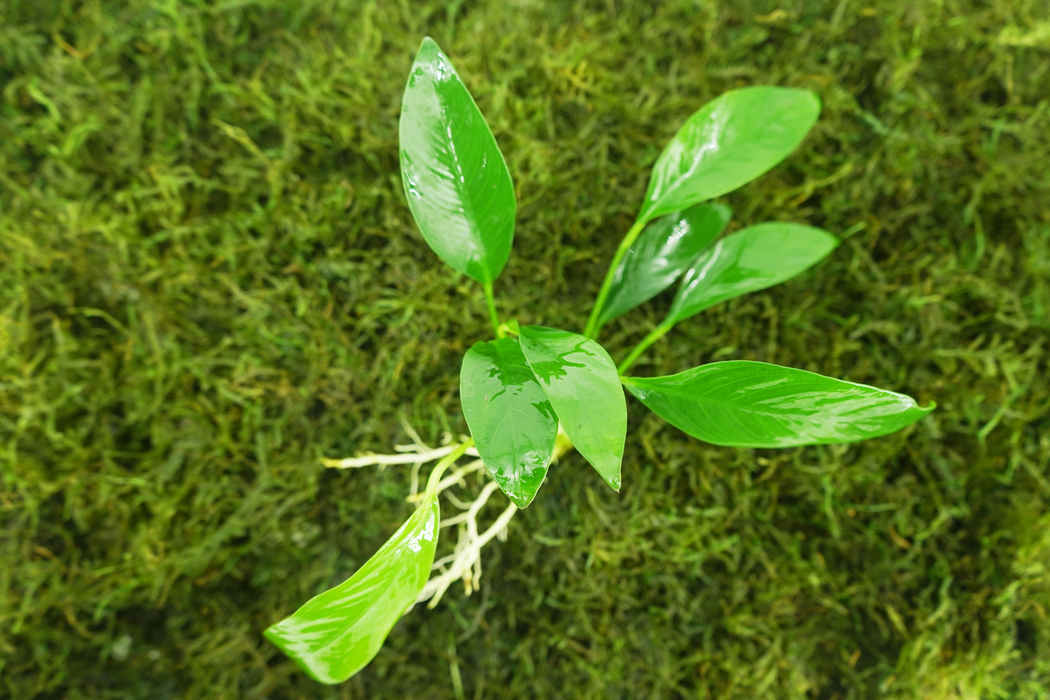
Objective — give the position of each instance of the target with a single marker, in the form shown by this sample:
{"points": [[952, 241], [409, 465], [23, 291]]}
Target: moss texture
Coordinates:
{"points": [[210, 280]]}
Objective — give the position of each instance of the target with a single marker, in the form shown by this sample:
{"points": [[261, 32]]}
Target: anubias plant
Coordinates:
{"points": [[534, 392]]}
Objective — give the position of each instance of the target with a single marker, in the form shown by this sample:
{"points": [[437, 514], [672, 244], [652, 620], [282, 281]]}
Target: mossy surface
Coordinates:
{"points": [[209, 280]]}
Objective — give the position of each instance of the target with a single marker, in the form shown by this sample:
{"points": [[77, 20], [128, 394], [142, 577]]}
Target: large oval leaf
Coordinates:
{"points": [[749, 260], [510, 418], [580, 379], [456, 181], [335, 634], [754, 404], [728, 142], [661, 254]]}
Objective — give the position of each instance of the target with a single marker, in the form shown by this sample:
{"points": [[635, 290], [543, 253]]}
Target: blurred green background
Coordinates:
{"points": [[209, 280]]}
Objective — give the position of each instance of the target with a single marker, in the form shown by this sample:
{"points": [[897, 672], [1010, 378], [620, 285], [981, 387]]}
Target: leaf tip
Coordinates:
{"points": [[277, 636], [428, 50], [522, 502], [271, 635], [817, 102]]}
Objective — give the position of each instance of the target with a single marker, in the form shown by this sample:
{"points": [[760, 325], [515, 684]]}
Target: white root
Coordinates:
{"points": [[465, 561], [419, 457]]}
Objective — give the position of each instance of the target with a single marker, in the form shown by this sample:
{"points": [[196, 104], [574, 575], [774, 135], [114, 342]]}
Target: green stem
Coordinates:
{"points": [[658, 332], [593, 324], [446, 461], [490, 299]]}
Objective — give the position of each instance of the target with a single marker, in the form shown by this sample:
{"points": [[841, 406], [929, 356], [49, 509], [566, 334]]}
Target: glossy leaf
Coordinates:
{"points": [[510, 418], [335, 634], [581, 382], [456, 181], [754, 404], [730, 141], [749, 260], [661, 254]]}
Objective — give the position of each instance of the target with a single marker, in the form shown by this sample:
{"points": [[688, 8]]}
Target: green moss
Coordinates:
{"points": [[210, 280]]}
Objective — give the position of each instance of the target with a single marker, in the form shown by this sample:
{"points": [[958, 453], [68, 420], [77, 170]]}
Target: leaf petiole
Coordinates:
{"points": [[657, 333], [490, 299], [593, 324]]}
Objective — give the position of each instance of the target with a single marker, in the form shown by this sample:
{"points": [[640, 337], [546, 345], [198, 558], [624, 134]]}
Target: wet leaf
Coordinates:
{"points": [[754, 404], [728, 142], [580, 379], [510, 418], [661, 254], [335, 634], [456, 181], [746, 261]]}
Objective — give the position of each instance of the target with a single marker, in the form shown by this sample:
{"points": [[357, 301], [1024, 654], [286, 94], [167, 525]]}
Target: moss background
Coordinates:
{"points": [[209, 279]]}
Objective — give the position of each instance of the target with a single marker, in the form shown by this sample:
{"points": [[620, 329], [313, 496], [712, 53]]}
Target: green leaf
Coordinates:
{"points": [[335, 634], [750, 259], [456, 181], [754, 404], [661, 254], [580, 379], [730, 141], [510, 418]]}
